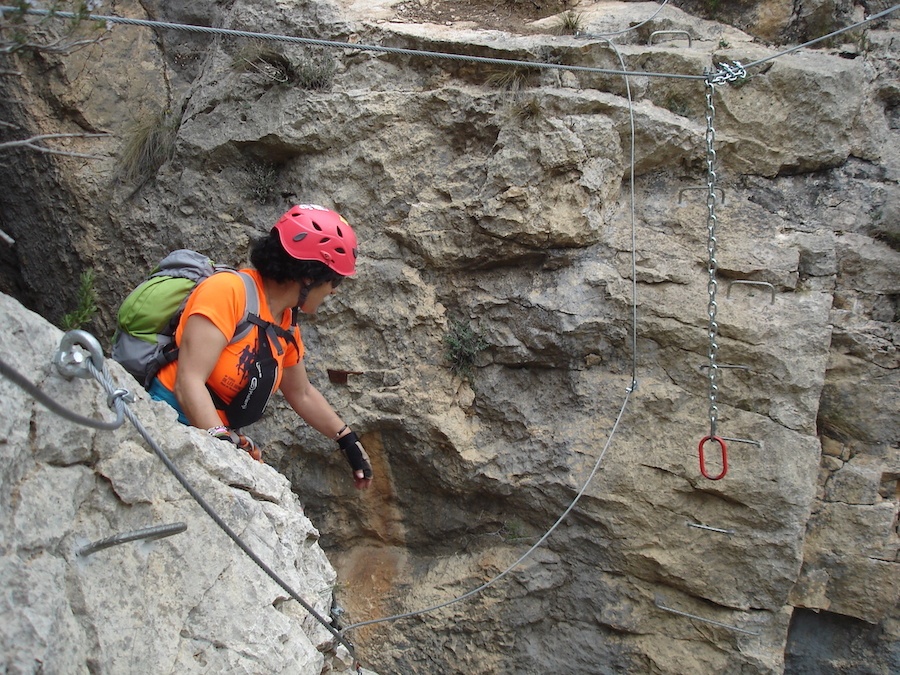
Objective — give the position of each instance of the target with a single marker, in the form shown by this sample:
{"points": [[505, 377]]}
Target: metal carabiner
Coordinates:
{"points": [[724, 448]]}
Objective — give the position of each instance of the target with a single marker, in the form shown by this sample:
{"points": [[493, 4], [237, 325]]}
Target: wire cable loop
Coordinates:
{"points": [[631, 388], [527, 553], [26, 385]]}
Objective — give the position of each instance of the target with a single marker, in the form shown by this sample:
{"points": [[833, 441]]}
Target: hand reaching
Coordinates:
{"points": [[358, 460]]}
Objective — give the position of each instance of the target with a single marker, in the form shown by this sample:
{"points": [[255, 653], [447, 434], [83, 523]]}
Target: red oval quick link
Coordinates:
{"points": [[724, 449]]}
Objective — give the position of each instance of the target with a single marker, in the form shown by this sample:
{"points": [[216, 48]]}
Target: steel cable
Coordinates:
{"points": [[24, 383], [105, 381], [612, 432], [316, 42], [527, 553], [117, 396]]}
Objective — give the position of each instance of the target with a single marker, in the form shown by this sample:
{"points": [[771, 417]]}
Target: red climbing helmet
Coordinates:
{"points": [[312, 232]]}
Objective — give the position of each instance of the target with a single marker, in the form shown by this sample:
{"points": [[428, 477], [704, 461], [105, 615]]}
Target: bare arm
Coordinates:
{"points": [[201, 346], [308, 402]]}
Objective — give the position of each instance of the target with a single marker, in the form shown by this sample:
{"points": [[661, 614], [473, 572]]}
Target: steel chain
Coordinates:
{"points": [[727, 73], [713, 264]]}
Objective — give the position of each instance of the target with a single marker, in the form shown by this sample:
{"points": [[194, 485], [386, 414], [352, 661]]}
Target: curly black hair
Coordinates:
{"points": [[269, 257]]}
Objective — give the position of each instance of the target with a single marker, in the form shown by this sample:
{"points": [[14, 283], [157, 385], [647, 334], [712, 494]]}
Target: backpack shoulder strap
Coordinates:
{"points": [[251, 317]]}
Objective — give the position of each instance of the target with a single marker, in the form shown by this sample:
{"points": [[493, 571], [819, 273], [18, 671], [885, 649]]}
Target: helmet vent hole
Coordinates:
{"points": [[300, 237], [340, 250], [317, 226], [340, 234]]}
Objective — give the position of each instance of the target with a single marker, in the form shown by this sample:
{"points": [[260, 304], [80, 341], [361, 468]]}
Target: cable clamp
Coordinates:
{"points": [[119, 395]]}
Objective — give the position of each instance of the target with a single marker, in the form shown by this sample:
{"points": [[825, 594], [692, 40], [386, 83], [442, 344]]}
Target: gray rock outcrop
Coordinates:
{"points": [[187, 603]]}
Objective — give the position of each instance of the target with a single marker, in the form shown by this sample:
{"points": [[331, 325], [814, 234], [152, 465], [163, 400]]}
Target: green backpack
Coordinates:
{"points": [[144, 340]]}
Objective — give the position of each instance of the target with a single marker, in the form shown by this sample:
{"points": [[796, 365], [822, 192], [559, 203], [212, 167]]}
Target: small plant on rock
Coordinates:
{"points": [[570, 23], [87, 303], [149, 143], [463, 345], [255, 58], [529, 109], [513, 79], [262, 181], [316, 73]]}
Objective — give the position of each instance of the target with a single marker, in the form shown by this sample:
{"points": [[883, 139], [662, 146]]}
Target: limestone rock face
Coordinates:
{"points": [[499, 200], [188, 603]]}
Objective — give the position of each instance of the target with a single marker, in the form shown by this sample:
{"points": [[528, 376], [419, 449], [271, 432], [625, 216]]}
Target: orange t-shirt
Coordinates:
{"points": [[221, 298]]}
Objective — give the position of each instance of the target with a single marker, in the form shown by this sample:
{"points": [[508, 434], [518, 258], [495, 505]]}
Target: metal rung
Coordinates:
{"points": [[670, 32], [709, 529], [700, 187], [659, 603], [751, 283], [146, 534], [724, 366], [742, 440]]}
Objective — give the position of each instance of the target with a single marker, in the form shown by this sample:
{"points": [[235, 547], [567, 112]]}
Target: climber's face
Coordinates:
{"points": [[316, 296]]}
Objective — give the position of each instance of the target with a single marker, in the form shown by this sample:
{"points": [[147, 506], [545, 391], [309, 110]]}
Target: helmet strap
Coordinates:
{"points": [[304, 294]]}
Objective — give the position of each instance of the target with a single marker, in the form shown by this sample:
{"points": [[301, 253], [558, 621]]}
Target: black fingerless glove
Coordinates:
{"points": [[355, 453]]}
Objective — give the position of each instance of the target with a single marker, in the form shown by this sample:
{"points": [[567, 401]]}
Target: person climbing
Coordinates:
{"points": [[222, 386]]}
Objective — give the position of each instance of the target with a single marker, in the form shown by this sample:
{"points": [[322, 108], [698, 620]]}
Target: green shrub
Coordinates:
{"points": [[87, 303], [463, 345]]}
